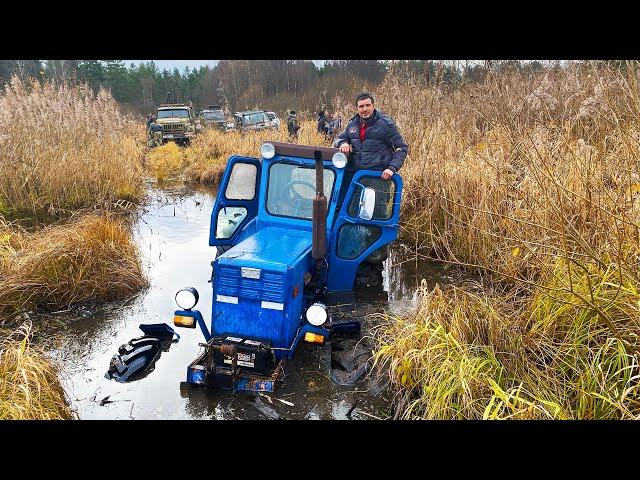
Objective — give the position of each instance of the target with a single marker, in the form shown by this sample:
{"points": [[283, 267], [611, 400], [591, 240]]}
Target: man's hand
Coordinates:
{"points": [[387, 174], [345, 148]]}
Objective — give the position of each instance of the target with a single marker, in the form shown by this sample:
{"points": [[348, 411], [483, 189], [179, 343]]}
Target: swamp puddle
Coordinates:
{"points": [[172, 234]]}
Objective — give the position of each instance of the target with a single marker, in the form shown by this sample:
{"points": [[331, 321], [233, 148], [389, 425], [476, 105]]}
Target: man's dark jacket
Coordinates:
{"points": [[383, 146], [322, 124]]}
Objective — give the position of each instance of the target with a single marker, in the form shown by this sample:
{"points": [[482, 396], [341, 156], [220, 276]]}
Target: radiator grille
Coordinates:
{"points": [[174, 127], [269, 287]]}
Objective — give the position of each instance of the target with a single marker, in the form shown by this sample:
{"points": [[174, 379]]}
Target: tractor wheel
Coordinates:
{"points": [[379, 256], [368, 275]]}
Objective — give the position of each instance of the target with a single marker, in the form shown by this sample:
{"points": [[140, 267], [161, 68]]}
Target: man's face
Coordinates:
{"points": [[365, 108]]}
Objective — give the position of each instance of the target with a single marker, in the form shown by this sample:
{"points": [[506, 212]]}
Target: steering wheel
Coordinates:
{"points": [[294, 198], [293, 193]]}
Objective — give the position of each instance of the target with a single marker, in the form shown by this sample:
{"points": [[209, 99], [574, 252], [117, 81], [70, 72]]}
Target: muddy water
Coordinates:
{"points": [[172, 234]]}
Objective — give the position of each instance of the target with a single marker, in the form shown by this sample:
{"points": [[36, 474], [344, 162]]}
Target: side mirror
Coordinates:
{"points": [[367, 203]]}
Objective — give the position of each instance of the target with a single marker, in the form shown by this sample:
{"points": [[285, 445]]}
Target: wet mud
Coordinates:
{"points": [[172, 233]]}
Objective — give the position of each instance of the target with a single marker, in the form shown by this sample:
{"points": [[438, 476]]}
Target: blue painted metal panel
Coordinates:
{"points": [[251, 385], [342, 272], [307, 327], [283, 257], [269, 245]]}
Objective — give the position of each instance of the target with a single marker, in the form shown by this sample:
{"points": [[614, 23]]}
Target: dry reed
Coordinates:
{"points": [[62, 148], [29, 387], [92, 258], [533, 180]]}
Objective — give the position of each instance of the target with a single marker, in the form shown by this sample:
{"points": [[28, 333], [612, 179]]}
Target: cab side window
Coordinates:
{"points": [[353, 240], [242, 182], [385, 192], [229, 219]]}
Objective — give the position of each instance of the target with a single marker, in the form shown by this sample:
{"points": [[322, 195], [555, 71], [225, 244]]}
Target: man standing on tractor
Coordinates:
{"points": [[376, 144], [373, 139]]}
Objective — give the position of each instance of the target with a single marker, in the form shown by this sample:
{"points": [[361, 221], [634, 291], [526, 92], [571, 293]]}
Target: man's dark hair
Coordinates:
{"points": [[321, 113], [363, 96]]}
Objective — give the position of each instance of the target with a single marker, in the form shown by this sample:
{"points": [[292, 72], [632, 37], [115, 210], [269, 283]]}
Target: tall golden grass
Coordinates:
{"points": [[91, 258], [205, 159], [63, 148], [533, 181], [29, 387]]}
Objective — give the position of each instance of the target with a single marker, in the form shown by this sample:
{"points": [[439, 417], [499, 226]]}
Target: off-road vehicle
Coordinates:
{"points": [[213, 117], [253, 120], [294, 229], [174, 122]]}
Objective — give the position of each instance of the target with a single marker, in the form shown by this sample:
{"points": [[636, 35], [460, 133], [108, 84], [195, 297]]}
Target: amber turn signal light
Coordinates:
{"points": [[313, 338], [184, 321]]}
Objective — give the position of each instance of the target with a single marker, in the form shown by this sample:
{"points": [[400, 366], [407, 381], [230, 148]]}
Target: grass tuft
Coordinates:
{"points": [[90, 259], [29, 387]]}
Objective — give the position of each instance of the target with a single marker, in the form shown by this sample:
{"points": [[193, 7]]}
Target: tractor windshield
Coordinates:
{"points": [[292, 188]]}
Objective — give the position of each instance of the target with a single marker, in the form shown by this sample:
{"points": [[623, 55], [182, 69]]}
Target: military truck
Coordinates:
{"points": [[174, 122], [253, 120]]}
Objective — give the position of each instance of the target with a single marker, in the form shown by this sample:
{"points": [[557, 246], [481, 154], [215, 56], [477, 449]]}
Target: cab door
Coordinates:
{"points": [[354, 239], [237, 201]]}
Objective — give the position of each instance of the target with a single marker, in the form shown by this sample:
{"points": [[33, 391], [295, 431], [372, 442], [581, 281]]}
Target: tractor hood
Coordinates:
{"points": [[272, 248], [259, 284]]}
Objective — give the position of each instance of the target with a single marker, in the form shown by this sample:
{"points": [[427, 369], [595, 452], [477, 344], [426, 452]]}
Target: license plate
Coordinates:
{"points": [[169, 136]]}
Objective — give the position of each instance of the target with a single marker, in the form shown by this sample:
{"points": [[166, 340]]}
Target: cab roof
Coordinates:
{"points": [[171, 106], [248, 112], [304, 151]]}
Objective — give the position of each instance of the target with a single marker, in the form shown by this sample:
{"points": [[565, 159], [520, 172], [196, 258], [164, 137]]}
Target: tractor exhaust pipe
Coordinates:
{"points": [[319, 219]]}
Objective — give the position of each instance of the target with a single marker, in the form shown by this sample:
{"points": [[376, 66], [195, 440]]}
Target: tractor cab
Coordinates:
{"points": [[289, 227]]}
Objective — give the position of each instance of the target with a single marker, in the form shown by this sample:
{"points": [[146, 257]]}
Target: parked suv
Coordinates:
{"points": [[253, 120], [213, 116], [274, 119]]}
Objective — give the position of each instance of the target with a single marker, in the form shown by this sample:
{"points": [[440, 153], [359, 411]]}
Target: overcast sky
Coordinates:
{"points": [[179, 64]]}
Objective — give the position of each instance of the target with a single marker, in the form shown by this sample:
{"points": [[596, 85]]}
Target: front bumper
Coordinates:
{"points": [[205, 373], [178, 136]]}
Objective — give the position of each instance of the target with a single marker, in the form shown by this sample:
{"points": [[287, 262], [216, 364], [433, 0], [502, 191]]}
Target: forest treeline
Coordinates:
{"points": [[275, 85]]}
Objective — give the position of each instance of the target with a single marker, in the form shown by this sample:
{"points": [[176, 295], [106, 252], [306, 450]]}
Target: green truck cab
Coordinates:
{"points": [[174, 122]]}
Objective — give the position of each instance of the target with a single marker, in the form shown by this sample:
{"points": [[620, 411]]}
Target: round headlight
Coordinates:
{"points": [[317, 314], [187, 298], [267, 151], [339, 160]]}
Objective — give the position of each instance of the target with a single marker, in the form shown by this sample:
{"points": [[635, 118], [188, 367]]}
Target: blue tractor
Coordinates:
{"points": [[290, 227]]}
